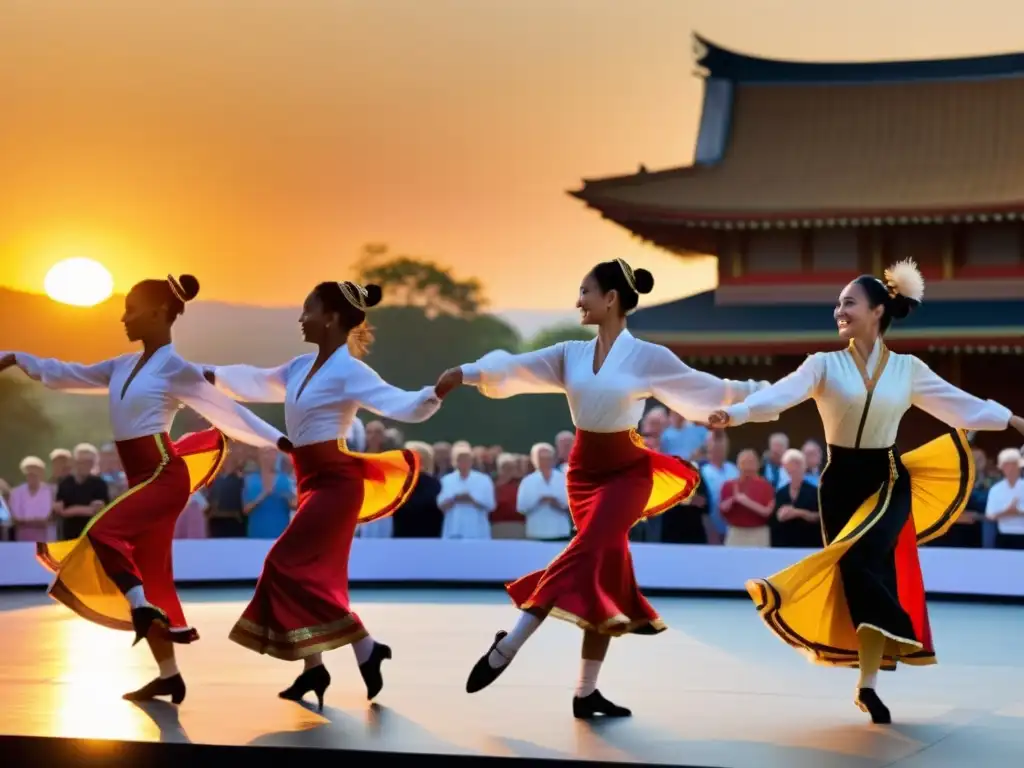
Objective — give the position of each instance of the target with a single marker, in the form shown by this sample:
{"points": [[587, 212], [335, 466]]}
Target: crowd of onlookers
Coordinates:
{"points": [[755, 498]]}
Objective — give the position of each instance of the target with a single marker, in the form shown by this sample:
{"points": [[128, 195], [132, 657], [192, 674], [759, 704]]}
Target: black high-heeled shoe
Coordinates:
{"points": [[483, 674], [143, 619], [315, 679], [161, 686], [370, 670], [867, 700], [589, 706]]}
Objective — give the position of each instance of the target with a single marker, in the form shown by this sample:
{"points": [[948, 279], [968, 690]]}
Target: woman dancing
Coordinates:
{"points": [[860, 602], [118, 573], [301, 605], [613, 480]]}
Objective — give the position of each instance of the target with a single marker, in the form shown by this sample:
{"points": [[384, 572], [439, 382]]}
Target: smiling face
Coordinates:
{"points": [[854, 314], [594, 304]]}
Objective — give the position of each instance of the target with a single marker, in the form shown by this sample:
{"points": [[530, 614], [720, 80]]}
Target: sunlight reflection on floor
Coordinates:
{"points": [[93, 670]]}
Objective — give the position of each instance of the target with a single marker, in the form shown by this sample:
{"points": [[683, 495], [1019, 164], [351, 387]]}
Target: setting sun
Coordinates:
{"points": [[79, 282]]}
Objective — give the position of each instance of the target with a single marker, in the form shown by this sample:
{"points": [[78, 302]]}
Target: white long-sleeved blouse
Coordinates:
{"points": [[611, 400], [861, 403], [322, 408], [146, 405]]}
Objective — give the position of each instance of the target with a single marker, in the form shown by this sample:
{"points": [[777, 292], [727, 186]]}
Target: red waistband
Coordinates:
{"points": [[144, 454], [319, 456], [605, 451]]}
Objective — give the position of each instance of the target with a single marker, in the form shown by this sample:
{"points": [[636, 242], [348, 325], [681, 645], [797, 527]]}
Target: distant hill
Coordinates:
{"points": [[208, 332]]}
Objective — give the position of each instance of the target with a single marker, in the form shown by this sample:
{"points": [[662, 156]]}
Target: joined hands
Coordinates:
{"points": [[718, 420], [450, 380]]}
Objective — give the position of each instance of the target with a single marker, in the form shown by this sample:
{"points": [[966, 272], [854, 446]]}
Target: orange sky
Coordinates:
{"points": [[258, 144]]}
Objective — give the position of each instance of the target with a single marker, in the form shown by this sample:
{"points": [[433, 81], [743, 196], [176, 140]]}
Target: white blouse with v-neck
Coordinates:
{"points": [[612, 399], [324, 409], [152, 398], [840, 390]]}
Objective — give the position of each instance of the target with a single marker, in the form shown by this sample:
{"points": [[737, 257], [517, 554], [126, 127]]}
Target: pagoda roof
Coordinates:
{"points": [[810, 144], [699, 324]]}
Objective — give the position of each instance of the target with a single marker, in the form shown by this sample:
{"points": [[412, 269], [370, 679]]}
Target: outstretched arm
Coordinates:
{"points": [[56, 374], [250, 384], [190, 388], [766, 404], [364, 385], [501, 374], [950, 404], [691, 393]]}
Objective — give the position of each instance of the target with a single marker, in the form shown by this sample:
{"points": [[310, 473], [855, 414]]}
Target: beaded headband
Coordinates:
{"points": [[354, 294], [627, 271], [176, 289]]}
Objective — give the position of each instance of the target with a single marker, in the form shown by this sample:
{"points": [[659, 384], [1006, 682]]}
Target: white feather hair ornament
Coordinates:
{"points": [[905, 279]]}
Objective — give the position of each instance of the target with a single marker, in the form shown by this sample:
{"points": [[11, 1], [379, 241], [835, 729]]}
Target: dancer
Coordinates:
{"points": [[119, 573], [613, 480], [860, 602], [301, 605]]}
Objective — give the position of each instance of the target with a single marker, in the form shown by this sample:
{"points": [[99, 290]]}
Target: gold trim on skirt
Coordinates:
{"points": [[804, 604]]}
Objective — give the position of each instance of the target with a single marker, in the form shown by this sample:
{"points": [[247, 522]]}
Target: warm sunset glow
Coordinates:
{"points": [[79, 282]]}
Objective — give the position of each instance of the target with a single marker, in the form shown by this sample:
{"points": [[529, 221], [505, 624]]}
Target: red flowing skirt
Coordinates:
{"points": [[129, 543], [614, 482], [301, 603]]}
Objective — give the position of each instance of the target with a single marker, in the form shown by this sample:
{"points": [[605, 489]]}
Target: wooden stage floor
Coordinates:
{"points": [[715, 690]]}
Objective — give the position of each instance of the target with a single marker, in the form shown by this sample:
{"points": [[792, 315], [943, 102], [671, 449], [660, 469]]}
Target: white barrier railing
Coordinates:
{"points": [[981, 572]]}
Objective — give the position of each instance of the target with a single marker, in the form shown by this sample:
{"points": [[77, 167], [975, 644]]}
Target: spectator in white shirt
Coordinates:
{"points": [[1005, 502], [542, 498], [466, 498], [715, 473]]}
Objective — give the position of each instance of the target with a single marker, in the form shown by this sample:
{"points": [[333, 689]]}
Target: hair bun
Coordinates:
{"points": [[189, 286], [900, 306], [644, 280], [374, 293]]}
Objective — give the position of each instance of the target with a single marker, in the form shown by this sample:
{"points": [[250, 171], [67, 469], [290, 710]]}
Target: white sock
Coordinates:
{"points": [[136, 597], [363, 648], [513, 641], [589, 670], [168, 668], [316, 660]]}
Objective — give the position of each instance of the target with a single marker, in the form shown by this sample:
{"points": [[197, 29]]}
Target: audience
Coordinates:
{"points": [[419, 517], [32, 503], [466, 498], [81, 494], [506, 522], [746, 503], [715, 471], [268, 497], [1005, 502], [795, 521], [494, 493], [543, 499]]}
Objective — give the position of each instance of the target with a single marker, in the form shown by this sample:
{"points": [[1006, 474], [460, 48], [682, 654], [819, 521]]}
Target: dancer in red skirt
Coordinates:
{"points": [[613, 480], [119, 573], [301, 606]]}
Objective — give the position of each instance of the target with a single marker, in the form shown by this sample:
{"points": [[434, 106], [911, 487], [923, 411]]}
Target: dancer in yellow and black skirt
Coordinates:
{"points": [[118, 573], [860, 602]]}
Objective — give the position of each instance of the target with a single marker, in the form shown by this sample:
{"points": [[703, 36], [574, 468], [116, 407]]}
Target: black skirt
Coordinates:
{"points": [[868, 568]]}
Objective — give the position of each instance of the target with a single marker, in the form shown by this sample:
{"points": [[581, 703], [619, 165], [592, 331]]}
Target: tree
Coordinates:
{"points": [[412, 350], [547, 337], [413, 282], [26, 428]]}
